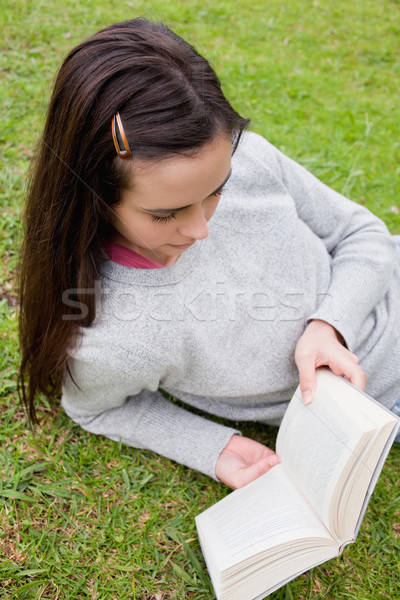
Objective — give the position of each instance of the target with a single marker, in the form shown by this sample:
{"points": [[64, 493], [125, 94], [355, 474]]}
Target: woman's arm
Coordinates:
{"points": [[363, 257], [363, 253], [110, 399], [107, 403]]}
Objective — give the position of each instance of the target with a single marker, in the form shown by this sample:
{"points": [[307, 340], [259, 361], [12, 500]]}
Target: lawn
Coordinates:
{"points": [[82, 517]]}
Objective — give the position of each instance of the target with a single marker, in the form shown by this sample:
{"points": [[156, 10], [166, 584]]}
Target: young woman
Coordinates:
{"points": [[170, 253]]}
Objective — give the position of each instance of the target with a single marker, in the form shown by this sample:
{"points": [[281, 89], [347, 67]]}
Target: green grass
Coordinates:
{"points": [[80, 516]]}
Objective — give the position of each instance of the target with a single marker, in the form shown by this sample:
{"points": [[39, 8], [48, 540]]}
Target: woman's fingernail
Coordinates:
{"points": [[307, 397]]}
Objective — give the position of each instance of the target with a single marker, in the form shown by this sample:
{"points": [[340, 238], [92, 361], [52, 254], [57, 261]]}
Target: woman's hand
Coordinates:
{"points": [[321, 345], [243, 460]]}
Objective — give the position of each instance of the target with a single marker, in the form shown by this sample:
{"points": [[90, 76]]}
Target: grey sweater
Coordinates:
{"points": [[218, 329]]}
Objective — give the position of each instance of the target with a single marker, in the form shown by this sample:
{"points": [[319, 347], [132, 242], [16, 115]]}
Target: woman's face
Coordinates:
{"points": [[170, 202]]}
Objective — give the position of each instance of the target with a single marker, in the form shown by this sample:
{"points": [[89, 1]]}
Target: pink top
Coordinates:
{"points": [[128, 258]]}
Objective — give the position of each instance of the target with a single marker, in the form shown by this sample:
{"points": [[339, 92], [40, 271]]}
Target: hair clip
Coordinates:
{"points": [[124, 154]]}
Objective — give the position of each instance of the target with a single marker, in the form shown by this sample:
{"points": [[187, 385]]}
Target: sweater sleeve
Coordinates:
{"points": [[104, 397], [363, 253]]}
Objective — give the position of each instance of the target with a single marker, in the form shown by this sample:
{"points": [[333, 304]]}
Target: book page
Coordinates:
{"points": [[376, 474], [319, 444], [265, 513]]}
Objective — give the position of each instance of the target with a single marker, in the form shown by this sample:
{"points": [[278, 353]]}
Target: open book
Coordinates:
{"points": [[304, 510]]}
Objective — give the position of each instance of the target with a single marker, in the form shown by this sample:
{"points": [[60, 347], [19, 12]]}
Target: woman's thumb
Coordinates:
{"points": [[307, 384]]}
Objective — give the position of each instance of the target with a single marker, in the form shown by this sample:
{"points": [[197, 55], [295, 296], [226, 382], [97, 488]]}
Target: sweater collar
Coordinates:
{"points": [[152, 277]]}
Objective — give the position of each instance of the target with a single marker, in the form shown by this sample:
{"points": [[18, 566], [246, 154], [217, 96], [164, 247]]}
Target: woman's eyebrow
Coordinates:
{"points": [[170, 210]]}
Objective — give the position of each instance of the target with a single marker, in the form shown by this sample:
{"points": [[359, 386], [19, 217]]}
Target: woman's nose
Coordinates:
{"points": [[195, 226]]}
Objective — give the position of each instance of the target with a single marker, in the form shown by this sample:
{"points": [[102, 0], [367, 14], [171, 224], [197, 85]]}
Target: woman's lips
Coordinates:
{"points": [[182, 246]]}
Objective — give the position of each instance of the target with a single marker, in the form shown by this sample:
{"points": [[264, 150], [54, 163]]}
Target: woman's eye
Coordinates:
{"points": [[157, 219], [219, 191]]}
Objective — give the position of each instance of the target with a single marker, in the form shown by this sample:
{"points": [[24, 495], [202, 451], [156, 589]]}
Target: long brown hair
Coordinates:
{"points": [[171, 102]]}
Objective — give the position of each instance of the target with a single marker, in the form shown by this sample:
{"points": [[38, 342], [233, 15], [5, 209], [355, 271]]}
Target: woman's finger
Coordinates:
{"points": [[306, 366], [351, 371], [252, 472]]}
